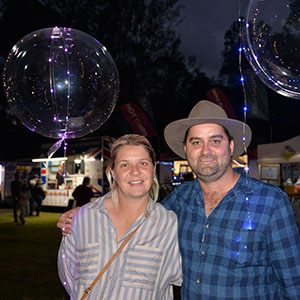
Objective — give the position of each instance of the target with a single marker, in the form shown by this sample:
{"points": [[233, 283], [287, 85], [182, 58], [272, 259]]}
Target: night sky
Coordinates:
{"points": [[202, 34], [204, 27]]}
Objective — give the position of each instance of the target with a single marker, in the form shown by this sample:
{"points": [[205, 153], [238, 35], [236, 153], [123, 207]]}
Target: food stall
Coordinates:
{"points": [[91, 163], [279, 164]]}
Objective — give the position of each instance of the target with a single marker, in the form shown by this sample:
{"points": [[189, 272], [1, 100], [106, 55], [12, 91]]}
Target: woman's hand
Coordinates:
{"points": [[65, 221]]}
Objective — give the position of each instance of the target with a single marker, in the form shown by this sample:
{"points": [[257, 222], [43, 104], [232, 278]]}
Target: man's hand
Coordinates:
{"points": [[65, 221]]}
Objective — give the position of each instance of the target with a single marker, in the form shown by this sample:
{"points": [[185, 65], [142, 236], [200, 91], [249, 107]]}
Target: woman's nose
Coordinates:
{"points": [[134, 169]]}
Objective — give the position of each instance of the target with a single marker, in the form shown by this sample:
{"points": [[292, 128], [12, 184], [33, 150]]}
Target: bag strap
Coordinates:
{"points": [[88, 289]]}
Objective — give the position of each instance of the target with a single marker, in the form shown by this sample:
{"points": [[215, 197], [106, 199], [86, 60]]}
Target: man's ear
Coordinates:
{"points": [[231, 145]]}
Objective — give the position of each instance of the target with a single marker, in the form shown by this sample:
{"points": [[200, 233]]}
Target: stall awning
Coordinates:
{"points": [[284, 152]]}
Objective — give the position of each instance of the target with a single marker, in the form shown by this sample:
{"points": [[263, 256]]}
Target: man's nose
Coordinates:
{"points": [[206, 148]]}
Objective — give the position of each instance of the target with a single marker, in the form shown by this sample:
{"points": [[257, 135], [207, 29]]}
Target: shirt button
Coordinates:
{"points": [[202, 252], [198, 280], [109, 277], [207, 225]]}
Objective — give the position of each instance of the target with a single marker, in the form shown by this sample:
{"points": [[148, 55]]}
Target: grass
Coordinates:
{"points": [[28, 258]]}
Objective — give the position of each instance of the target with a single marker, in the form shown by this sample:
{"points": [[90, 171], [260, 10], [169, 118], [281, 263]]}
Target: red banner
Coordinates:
{"points": [[217, 96], [138, 120]]}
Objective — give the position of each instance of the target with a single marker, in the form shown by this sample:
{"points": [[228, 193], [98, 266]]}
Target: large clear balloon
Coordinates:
{"points": [[272, 44], [61, 82]]}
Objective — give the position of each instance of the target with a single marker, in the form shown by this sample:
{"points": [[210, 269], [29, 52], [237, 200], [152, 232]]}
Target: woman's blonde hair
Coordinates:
{"points": [[130, 140]]}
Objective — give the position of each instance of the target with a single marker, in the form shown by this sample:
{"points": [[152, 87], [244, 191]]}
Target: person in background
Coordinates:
{"points": [[24, 197], [15, 188], [150, 263], [32, 203], [83, 193], [38, 195], [237, 235], [59, 177]]}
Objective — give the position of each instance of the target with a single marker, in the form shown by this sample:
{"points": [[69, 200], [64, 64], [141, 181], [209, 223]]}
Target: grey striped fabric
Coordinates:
{"points": [[145, 269]]}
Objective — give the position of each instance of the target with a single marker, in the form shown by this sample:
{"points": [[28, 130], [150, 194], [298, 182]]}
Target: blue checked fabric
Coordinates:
{"points": [[247, 248]]}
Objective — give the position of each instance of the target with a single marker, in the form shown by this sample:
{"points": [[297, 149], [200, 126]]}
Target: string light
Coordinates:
{"points": [[248, 223]]}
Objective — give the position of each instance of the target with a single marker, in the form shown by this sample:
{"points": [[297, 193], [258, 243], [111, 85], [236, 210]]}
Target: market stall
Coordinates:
{"points": [[279, 164]]}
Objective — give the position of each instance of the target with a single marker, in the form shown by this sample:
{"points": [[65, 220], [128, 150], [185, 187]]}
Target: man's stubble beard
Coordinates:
{"points": [[214, 173]]}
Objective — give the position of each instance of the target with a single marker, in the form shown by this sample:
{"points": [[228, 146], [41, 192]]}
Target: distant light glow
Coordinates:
{"points": [[1, 174]]}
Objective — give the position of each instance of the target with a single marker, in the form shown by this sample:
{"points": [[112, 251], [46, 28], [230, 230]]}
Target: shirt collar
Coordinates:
{"points": [[102, 209], [245, 182]]}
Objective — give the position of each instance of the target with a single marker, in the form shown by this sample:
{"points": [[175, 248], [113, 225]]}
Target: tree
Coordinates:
{"points": [[139, 34]]}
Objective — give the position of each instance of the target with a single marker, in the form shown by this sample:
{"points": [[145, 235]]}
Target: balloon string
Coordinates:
{"points": [[249, 224], [241, 47], [55, 147]]}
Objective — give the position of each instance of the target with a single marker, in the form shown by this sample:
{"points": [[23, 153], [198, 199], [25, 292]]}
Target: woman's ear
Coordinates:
{"points": [[112, 174]]}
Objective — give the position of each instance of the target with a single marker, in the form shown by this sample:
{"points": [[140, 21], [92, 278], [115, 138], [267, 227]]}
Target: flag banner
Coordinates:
{"points": [[217, 96], [138, 120]]}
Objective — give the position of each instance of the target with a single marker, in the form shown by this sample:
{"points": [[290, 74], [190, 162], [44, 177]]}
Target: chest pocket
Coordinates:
{"points": [[87, 264], [244, 246], [142, 267]]}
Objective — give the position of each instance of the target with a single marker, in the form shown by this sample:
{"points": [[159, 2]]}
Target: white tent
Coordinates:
{"points": [[284, 152]]}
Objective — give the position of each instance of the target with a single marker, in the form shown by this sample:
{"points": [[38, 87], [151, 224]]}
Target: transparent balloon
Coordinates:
{"points": [[272, 44], [61, 82]]}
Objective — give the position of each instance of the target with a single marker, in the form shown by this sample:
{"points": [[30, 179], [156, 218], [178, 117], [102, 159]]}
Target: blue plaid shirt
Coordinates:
{"points": [[247, 248]]}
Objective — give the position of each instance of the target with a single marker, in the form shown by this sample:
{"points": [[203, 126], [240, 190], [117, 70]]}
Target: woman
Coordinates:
{"points": [[150, 263]]}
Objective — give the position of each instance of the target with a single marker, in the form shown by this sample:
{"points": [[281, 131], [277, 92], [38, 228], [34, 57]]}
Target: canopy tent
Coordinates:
{"points": [[284, 152]]}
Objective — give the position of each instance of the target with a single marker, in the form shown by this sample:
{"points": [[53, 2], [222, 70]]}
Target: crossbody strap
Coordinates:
{"points": [[88, 289]]}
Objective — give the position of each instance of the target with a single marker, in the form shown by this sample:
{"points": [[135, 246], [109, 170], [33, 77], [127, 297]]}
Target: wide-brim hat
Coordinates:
{"points": [[207, 112]]}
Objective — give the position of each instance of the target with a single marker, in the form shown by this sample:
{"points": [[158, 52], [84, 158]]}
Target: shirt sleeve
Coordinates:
{"points": [[284, 248], [66, 262], [172, 270], [169, 201]]}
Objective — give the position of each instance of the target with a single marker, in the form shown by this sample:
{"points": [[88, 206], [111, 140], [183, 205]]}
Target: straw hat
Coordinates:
{"points": [[207, 112]]}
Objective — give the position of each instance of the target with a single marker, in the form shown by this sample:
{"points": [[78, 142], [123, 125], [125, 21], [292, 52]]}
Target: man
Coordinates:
{"points": [[15, 188], [32, 182], [59, 177], [238, 237], [83, 193]]}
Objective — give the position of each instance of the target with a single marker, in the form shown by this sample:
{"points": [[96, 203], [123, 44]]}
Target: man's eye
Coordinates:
{"points": [[196, 143], [124, 165], [144, 163], [216, 141]]}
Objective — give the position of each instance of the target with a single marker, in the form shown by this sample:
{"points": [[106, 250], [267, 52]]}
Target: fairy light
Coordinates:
{"points": [[174, 180], [248, 224]]}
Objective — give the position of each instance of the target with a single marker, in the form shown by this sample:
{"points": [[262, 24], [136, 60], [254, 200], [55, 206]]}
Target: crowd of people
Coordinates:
{"points": [[27, 196], [237, 236]]}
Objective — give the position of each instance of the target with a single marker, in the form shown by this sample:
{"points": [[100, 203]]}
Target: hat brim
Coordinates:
{"points": [[174, 133]]}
